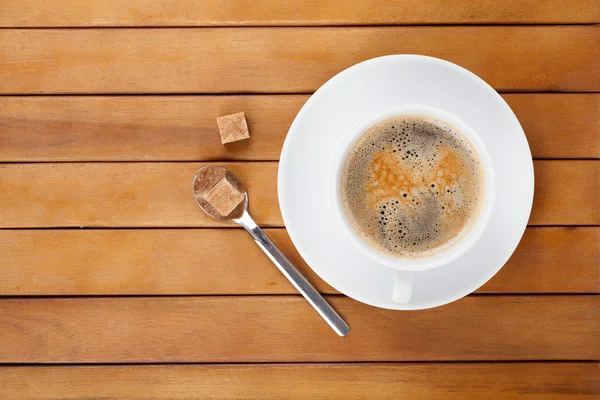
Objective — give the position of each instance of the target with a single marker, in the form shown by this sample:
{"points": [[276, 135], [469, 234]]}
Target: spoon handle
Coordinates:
{"points": [[295, 277]]}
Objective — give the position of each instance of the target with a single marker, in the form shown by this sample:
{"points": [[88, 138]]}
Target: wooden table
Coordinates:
{"points": [[115, 284]]}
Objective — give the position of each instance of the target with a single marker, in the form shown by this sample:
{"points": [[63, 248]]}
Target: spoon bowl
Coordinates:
{"points": [[205, 179]]}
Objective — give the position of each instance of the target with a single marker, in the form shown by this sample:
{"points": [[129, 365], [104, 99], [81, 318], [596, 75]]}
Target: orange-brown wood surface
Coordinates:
{"points": [[275, 60], [107, 108], [561, 185], [205, 261], [159, 194], [302, 12], [164, 128], [287, 329], [491, 381]]}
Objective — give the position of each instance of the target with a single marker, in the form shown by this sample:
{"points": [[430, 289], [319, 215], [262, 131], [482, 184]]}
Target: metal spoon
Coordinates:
{"points": [[204, 180]]}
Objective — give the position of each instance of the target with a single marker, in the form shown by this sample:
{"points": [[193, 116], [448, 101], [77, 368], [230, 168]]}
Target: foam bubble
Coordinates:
{"points": [[411, 184]]}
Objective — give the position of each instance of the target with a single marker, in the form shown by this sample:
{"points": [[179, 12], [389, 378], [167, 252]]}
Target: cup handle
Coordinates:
{"points": [[403, 285]]}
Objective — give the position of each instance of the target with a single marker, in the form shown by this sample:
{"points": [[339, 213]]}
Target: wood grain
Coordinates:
{"points": [[178, 128], [560, 185], [287, 329], [276, 60], [498, 381], [284, 63], [159, 194], [205, 261], [42, 13], [559, 125], [135, 128], [123, 194], [551, 260]]}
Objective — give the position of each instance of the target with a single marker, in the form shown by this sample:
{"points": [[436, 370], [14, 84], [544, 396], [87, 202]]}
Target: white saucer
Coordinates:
{"points": [[342, 105]]}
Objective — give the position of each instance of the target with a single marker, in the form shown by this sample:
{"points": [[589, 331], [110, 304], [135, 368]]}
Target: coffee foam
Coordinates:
{"points": [[412, 185]]}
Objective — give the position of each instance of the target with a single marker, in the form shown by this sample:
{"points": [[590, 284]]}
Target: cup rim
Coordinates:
{"points": [[468, 239]]}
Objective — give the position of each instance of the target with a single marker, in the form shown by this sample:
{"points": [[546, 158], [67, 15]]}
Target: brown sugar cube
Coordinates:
{"points": [[224, 197], [233, 127]]}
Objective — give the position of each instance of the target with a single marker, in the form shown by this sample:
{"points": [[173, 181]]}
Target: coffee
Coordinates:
{"points": [[412, 186]]}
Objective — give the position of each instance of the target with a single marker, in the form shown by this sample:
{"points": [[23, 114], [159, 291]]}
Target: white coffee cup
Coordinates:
{"points": [[406, 269]]}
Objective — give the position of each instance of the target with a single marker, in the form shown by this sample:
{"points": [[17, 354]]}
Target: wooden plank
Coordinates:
{"points": [[178, 128], [204, 261], [551, 260], [287, 329], [43, 13], [159, 194], [560, 185], [276, 60], [492, 381], [135, 128], [554, 123], [123, 194]]}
